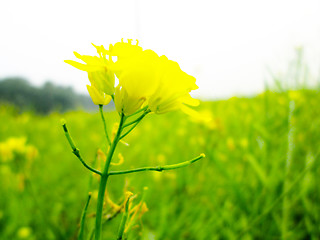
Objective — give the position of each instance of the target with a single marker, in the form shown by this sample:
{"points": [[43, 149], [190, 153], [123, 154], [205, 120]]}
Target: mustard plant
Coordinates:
{"points": [[148, 83]]}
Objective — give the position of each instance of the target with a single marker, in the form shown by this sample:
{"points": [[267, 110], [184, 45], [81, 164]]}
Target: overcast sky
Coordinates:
{"points": [[226, 45]]}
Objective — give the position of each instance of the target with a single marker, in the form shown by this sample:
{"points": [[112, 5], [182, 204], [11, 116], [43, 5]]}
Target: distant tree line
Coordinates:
{"points": [[45, 99]]}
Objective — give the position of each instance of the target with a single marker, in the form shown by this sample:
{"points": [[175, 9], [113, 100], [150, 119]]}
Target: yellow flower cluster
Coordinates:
{"points": [[145, 79], [13, 146]]}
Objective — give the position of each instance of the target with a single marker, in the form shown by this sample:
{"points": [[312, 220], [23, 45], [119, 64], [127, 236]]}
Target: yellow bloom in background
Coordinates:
{"points": [[16, 145], [230, 144], [31, 152], [6, 153], [24, 232]]}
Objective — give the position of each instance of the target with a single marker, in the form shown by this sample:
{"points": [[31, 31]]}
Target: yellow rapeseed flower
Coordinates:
{"points": [[98, 69], [98, 97], [145, 79], [137, 74]]}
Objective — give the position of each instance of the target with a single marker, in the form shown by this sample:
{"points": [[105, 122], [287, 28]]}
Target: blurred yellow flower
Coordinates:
{"points": [[31, 152], [294, 94], [121, 160], [16, 145], [24, 232], [244, 143], [5, 153], [230, 143]]}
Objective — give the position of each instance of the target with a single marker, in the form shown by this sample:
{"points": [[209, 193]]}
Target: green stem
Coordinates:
{"points": [[75, 150], [142, 109], [123, 220], [104, 179], [104, 123], [286, 201], [137, 120], [159, 168], [135, 123], [83, 218]]}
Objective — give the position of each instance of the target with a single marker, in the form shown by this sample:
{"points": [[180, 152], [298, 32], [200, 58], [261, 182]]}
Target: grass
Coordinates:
{"points": [[259, 180]]}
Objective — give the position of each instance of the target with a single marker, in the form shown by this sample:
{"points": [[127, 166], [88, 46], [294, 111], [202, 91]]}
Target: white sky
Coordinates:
{"points": [[227, 45]]}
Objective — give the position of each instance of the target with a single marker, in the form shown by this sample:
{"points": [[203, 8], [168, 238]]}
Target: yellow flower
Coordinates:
{"points": [[98, 69], [137, 72], [147, 79], [98, 97], [173, 89]]}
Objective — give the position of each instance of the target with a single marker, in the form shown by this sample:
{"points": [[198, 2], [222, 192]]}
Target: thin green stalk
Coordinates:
{"points": [[159, 168], [83, 218], [135, 123], [104, 123], [75, 150], [136, 120], [142, 109], [104, 179], [285, 203], [124, 220]]}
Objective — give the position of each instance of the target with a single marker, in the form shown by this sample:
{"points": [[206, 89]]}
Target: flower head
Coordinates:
{"points": [[98, 69], [98, 97], [145, 79]]}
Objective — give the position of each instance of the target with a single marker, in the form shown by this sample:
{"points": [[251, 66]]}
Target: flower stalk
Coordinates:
{"points": [[159, 168], [104, 179], [76, 150]]}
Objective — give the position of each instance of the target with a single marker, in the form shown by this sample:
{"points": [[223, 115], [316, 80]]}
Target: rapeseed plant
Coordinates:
{"points": [[148, 83]]}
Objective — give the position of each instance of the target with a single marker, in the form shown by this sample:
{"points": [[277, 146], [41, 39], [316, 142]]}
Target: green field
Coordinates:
{"points": [[259, 180]]}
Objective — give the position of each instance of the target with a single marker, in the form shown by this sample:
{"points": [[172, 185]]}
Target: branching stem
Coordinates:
{"points": [[159, 168], [75, 150], [135, 123], [142, 109], [137, 120]]}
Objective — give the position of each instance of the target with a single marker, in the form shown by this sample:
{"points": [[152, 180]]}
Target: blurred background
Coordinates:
{"points": [[257, 65]]}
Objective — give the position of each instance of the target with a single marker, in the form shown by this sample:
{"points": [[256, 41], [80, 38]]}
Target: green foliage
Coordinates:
{"points": [[237, 192]]}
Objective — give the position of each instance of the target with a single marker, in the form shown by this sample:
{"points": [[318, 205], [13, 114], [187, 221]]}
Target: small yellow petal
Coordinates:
{"points": [[98, 98], [83, 67]]}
